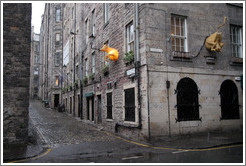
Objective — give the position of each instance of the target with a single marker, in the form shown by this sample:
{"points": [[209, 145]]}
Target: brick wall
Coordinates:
{"points": [[16, 69]]}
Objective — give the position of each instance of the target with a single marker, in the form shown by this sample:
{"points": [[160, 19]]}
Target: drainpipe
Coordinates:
{"points": [[81, 85], [137, 63], [167, 81], [149, 135], [81, 75], [74, 47], [62, 77]]}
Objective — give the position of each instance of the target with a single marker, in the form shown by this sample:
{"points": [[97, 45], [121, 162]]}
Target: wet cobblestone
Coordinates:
{"points": [[59, 129]]}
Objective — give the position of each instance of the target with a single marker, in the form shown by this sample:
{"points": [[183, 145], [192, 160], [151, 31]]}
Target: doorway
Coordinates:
{"points": [[56, 100], [90, 108], [99, 109], [79, 109]]}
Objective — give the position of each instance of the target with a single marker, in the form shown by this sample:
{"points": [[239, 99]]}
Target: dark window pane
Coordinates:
{"points": [[187, 100], [229, 100], [109, 105], [130, 105]]}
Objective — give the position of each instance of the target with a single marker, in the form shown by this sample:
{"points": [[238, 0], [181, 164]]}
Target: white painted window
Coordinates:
{"points": [[58, 38], [36, 59], [236, 41], [86, 67], [130, 111], [58, 15], [86, 31], [93, 23], [106, 12], [103, 60], [130, 36], [93, 63], [66, 53], [179, 33]]}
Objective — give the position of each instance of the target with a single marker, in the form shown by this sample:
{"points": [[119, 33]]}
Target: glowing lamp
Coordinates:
{"points": [[113, 54]]}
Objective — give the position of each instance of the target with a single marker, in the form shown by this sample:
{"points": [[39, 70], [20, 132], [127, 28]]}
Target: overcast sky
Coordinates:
{"points": [[37, 11]]}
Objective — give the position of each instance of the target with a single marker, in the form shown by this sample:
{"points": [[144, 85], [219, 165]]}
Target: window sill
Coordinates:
{"points": [[188, 121], [181, 56], [130, 124], [236, 61], [109, 120]]}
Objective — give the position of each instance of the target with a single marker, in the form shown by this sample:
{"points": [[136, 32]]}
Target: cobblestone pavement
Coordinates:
{"points": [[59, 129]]}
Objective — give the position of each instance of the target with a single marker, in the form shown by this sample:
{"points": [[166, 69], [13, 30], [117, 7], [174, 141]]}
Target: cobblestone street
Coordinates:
{"points": [[58, 128], [69, 140]]}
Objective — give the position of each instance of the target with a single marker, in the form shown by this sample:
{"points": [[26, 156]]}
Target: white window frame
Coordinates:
{"points": [[93, 63], [86, 31], [239, 41], [58, 15], [128, 31], [58, 37], [109, 91], [86, 67], [175, 36], [93, 21], [105, 63], [36, 59], [129, 86], [106, 12]]}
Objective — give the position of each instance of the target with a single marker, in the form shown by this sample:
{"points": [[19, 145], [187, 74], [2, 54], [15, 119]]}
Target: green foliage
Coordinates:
{"points": [[85, 79], [129, 57], [105, 69], [76, 83], [70, 87], [92, 76]]}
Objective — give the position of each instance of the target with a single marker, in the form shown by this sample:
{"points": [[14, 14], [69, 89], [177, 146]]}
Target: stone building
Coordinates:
{"points": [[51, 54], [34, 68], [172, 85], [16, 71]]}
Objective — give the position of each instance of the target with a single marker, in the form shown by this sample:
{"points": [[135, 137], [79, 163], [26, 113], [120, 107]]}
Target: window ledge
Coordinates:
{"points": [[236, 61], [109, 120], [181, 56], [128, 124]]}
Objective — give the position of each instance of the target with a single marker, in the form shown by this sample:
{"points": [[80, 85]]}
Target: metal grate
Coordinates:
{"points": [[130, 105], [187, 100], [229, 100]]}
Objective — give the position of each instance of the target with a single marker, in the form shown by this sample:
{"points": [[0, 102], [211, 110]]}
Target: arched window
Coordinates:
{"points": [[187, 100], [229, 100]]}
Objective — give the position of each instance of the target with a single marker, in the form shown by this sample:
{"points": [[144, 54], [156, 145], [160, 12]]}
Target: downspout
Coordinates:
{"points": [[137, 64], [62, 9], [74, 47], [149, 135], [81, 75], [167, 82]]}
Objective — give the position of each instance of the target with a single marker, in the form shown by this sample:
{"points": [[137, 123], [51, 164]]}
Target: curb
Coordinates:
{"points": [[44, 152]]}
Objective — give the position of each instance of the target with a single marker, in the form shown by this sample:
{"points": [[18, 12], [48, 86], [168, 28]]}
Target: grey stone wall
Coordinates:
{"points": [[202, 21], [16, 69]]}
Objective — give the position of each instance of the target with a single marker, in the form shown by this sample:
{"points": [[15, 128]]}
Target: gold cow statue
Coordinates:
{"points": [[213, 42], [113, 54]]}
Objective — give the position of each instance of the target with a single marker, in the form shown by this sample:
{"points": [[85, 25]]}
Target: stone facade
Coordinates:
{"points": [[34, 68], [51, 54], [162, 66], [141, 103], [16, 71]]}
